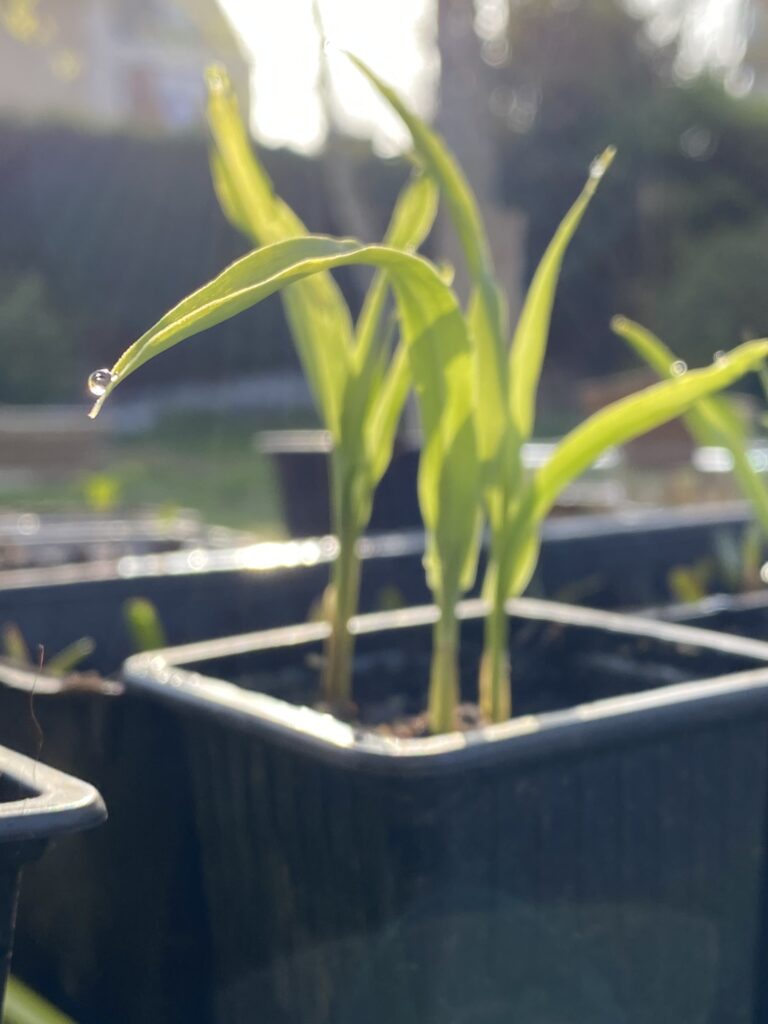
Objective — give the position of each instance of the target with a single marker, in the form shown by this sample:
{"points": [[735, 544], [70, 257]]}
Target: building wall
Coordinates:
{"points": [[114, 62]]}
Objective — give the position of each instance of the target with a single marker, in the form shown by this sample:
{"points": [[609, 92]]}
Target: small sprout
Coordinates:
{"points": [[144, 624]]}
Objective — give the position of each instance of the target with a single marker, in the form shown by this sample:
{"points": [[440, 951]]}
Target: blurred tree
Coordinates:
{"points": [[717, 295], [570, 78]]}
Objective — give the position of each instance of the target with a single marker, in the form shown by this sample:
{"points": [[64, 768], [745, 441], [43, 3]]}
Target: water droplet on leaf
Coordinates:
{"points": [[719, 356], [678, 368], [99, 381]]}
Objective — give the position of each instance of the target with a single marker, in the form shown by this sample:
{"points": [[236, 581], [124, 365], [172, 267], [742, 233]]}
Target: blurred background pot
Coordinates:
{"points": [[300, 459]]}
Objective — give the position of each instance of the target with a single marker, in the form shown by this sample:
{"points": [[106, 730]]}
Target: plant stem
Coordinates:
{"points": [[343, 593], [444, 671], [495, 680]]}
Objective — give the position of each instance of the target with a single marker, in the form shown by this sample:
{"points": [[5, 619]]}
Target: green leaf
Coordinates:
{"points": [[530, 339], [381, 425], [226, 193], [371, 382], [411, 222], [14, 645], [615, 425], [630, 417], [71, 656], [487, 309], [144, 625], [316, 311], [23, 1006], [441, 163], [436, 340], [711, 421]]}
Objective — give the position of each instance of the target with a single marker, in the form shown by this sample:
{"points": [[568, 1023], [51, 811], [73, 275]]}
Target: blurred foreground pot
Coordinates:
{"points": [[598, 858], [37, 804]]}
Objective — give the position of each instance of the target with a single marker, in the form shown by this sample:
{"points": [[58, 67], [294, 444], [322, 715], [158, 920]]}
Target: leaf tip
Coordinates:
{"points": [[601, 164], [217, 80]]}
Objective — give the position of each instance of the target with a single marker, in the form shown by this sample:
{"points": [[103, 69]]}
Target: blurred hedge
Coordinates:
{"points": [[102, 233]]}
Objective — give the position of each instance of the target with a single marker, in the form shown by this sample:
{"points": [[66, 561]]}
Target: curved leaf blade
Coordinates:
{"points": [[436, 340], [710, 421], [529, 343], [487, 309], [441, 163], [630, 417], [315, 308]]}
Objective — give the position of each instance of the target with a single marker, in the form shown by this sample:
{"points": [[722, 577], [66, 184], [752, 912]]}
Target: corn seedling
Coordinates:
{"points": [[358, 385], [476, 400], [506, 378], [434, 353], [359, 390]]}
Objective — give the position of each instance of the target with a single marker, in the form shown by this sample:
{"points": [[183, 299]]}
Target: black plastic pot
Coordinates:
{"points": [[597, 858], [37, 804], [113, 928], [105, 964], [615, 561], [300, 459], [28, 540]]}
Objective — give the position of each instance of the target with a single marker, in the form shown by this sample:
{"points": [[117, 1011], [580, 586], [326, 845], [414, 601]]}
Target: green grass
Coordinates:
{"points": [[203, 462]]}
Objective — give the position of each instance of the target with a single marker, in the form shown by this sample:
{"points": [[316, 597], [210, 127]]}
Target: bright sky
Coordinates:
{"points": [[396, 37]]}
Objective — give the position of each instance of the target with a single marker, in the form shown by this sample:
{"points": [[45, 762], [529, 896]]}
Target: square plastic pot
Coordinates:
{"points": [[104, 962], [37, 804], [301, 462], [597, 858], [28, 540], [615, 561]]}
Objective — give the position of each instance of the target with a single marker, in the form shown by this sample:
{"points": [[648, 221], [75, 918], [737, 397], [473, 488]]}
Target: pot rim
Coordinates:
{"points": [[57, 804], [161, 675], [265, 557]]}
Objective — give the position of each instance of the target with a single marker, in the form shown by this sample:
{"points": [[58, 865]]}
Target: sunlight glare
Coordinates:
{"points": [[396, 38]]}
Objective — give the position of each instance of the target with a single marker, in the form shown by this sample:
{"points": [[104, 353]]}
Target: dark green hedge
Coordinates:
{"points": [[113, 230]]}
